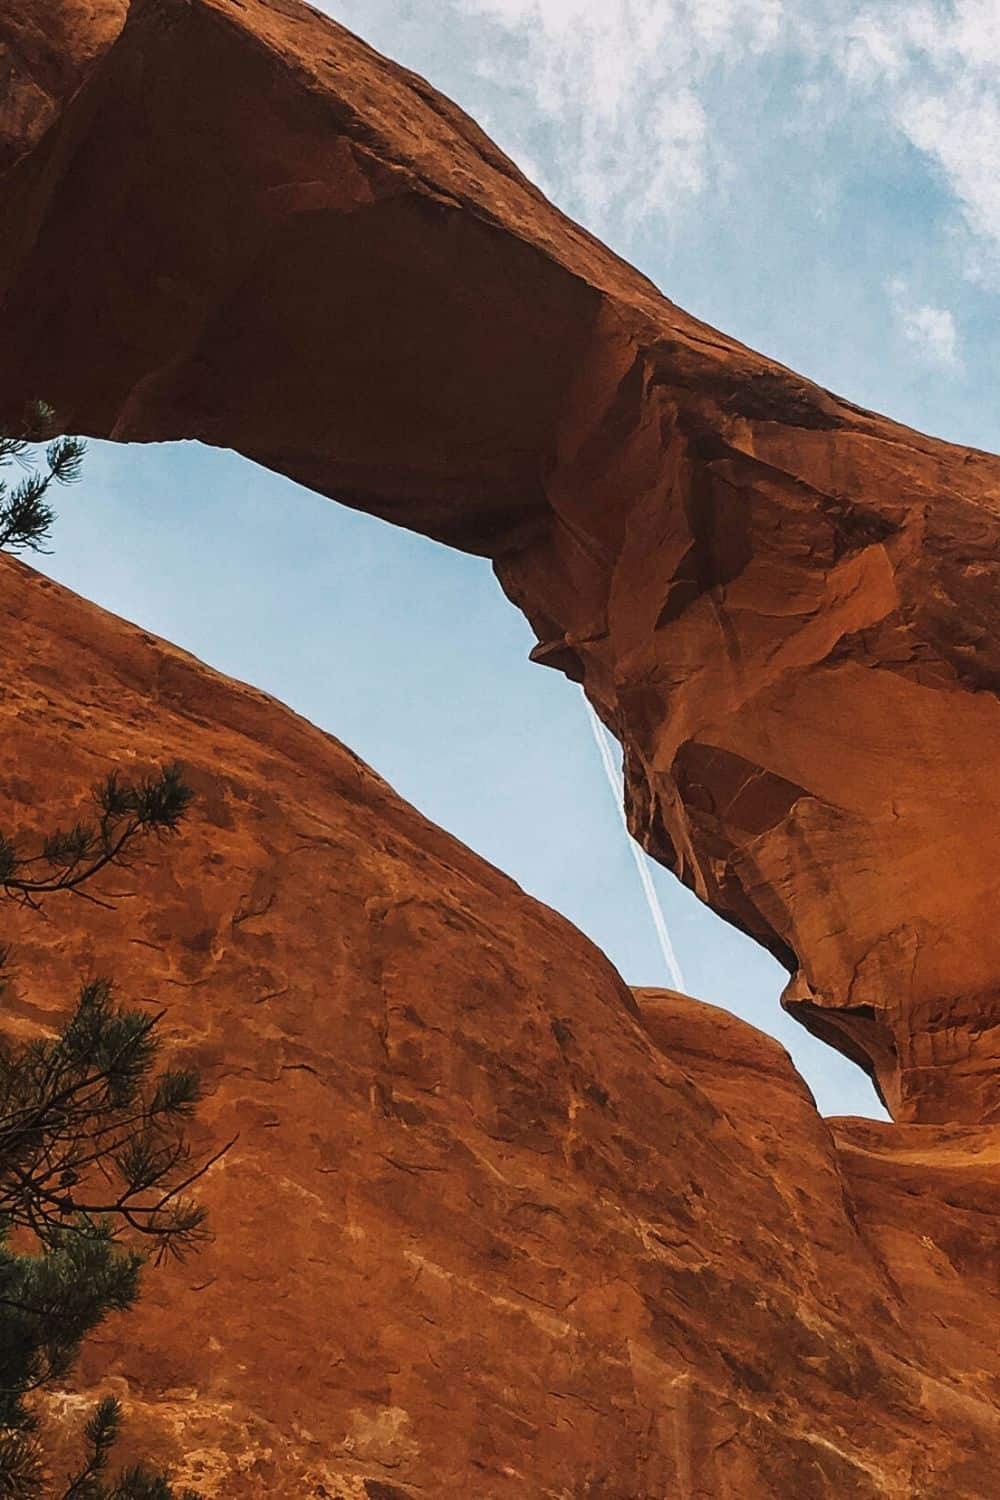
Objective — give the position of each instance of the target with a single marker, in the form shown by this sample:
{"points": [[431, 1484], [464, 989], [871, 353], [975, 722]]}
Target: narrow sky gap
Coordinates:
{"points": [[617, 784]]}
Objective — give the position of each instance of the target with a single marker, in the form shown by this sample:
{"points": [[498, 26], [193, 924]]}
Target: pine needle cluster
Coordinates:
{"points": [[26, 517], [67, 859], [95, 1173]]}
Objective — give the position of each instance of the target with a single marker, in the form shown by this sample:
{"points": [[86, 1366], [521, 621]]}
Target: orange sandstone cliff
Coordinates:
{"points": [[541, 1237], [493, 1225]]}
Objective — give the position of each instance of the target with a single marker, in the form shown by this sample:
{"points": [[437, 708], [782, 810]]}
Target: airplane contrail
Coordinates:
{"points": [[617, 785]]}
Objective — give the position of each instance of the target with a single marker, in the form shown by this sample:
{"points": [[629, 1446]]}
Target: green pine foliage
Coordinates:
{"points": [[137, 1482], [66, 859], [95, 1179], [89, 1134], [26, 517]]}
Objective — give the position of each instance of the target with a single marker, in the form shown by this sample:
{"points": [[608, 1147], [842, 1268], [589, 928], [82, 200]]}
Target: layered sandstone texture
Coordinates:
{"points": [[492, 1226], [231, 220]]}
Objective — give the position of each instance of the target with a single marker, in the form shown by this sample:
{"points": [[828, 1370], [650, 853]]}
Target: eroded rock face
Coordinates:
{"points": [[247, 227], [493, 1225], [46, 51]]}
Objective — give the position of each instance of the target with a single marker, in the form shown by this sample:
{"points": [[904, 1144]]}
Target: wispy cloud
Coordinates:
{"points": [[930, 330], [615, 90], [935, 68], [623, 83], [611, 104]]}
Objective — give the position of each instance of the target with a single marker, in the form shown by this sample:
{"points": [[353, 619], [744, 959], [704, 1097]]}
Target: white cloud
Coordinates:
{"points": [[617, 86], [959, 127], [868, 52], [931, 330], [935, 69]]}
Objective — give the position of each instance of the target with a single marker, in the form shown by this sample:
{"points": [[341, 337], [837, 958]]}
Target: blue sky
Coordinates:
{"points": [[817, 179]]}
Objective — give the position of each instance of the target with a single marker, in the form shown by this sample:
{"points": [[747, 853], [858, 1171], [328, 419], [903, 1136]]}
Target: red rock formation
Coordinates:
{"points": [[231, 220], [491, 1227]]}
